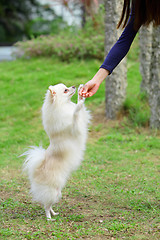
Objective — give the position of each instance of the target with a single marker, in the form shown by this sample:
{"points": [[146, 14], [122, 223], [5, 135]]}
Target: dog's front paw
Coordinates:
{"points": [[80, 98], [80, 87]]}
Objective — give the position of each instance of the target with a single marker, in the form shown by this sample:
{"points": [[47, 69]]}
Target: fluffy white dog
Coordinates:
{"points": [[66, 124]]}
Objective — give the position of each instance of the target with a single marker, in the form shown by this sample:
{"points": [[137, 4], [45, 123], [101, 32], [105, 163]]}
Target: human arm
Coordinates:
{"points": [[121, 47], [115, 55]]}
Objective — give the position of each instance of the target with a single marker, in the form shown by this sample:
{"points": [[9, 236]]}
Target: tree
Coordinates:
{"points": [[145, 41], [115, 83], [154, 94], [150, 69]]}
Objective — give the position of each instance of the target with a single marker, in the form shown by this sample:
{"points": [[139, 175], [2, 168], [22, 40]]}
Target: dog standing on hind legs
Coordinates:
{"points": [[66, 125]]}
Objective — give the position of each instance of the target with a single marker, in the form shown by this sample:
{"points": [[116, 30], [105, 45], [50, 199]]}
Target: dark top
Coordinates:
{"points": [[121, 47]]}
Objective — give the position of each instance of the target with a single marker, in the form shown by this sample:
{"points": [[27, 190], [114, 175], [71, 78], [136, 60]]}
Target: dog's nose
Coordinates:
{"points": [[73, 87]]}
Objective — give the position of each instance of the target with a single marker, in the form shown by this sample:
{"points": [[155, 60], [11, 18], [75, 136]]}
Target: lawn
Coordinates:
{"points": [[113, 195]]}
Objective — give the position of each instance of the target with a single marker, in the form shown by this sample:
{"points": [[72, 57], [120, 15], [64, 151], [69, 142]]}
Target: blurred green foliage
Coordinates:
{"points": [[23, 19], [70, 42]]}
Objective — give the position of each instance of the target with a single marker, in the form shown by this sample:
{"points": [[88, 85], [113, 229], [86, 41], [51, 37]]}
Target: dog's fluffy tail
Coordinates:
{"points": [[34, 157], [42, 193]]}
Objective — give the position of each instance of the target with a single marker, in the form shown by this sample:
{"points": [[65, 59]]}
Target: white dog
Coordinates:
{"points": [[66, 124]]}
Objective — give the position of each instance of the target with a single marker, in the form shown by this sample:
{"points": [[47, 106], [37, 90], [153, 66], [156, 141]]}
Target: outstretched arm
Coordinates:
{"points": [[116, 54], [121, 47]]}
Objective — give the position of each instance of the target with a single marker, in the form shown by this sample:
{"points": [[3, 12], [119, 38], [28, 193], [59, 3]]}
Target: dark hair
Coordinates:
{"points": [[145, 11]]}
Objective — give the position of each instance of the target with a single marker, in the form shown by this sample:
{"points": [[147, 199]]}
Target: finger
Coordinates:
{"points": [[88, 95], [85, 89], [91, 94], [80, 90], [81, 93]]}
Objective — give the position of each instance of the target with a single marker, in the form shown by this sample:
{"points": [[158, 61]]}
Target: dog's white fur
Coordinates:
{"points": [[66, 124]]}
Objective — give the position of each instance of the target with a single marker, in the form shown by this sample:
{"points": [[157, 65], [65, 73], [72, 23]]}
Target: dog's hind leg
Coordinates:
{"points": [[58, 196], [48, 214], [53, 212], [49, 211]]}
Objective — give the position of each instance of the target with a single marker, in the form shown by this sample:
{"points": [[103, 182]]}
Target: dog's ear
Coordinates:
{"points": [[52, 91]]}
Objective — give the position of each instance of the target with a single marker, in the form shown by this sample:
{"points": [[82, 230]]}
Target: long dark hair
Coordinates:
{"points": [[146, 11]]}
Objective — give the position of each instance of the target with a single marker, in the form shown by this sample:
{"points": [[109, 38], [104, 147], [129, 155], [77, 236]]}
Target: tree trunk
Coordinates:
{"points": [[154, 95], [150, 70], [146, 34], [115, 83]]}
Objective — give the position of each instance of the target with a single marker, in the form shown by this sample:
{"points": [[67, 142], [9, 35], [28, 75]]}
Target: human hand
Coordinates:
{"points": [[89, 89]]}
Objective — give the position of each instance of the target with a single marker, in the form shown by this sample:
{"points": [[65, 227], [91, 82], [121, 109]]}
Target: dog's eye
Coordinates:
{"points": [[66, 90]]}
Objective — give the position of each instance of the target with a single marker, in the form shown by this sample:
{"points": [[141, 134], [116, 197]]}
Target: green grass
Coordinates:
{"points": [[114, 194]]}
